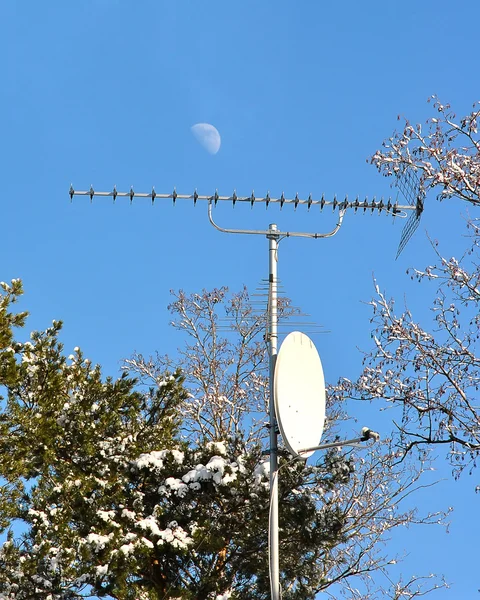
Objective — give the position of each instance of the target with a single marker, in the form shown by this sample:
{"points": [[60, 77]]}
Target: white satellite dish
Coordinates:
{"points": [[299, 393]]}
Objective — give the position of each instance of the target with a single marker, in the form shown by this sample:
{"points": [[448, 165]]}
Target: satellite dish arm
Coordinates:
{"points": [[367, 434]]}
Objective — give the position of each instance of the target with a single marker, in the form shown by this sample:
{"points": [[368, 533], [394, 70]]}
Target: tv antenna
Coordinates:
{"points": [[300, 445]]}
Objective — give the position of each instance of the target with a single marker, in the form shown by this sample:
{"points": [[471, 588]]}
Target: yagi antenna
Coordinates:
{"points": [[387, 206], [409, 189], [409, 184], [294, 437]]}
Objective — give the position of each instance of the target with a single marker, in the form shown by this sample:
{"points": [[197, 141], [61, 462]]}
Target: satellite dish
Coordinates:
{"points": [[299, 393]]}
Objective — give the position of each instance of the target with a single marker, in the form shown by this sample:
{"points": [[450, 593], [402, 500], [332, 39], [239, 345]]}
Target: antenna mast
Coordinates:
{"points": [[273, 236]]}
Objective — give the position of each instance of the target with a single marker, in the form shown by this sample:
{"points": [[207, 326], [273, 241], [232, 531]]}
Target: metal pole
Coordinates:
{"points": [[273, 237]]}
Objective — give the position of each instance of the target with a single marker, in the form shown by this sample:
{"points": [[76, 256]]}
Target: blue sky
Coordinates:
{"points": [[104, 92]]}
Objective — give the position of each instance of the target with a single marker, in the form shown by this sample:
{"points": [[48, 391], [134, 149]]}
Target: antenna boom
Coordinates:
{"points": [[388, 206]]}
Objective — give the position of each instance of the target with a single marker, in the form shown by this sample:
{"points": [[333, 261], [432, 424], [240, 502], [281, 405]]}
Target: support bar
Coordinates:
{"points": [[367, 434], [280, 234]]}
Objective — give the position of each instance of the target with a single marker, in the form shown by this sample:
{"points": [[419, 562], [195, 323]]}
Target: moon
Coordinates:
{"points": [[207, 135]]}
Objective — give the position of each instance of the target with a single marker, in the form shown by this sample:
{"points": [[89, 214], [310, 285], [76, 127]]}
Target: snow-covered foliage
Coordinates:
{"points": [[446, 154], [120, 495], [431, 372], [223, 360], [353, 502]]}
